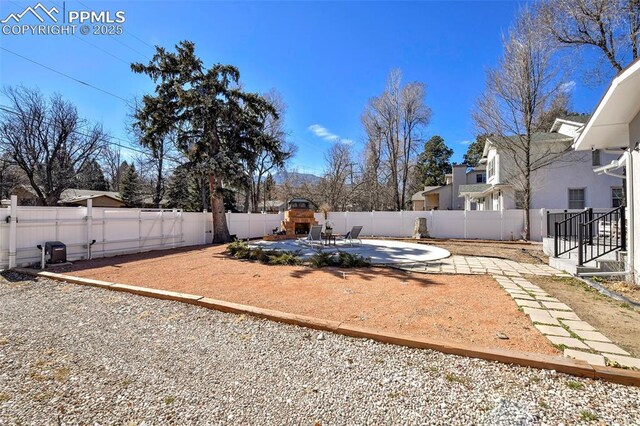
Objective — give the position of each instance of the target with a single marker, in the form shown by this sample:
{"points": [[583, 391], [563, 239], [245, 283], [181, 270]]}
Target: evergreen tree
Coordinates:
{"points": [[474, 151], [130, 187], [216, 123], [90, 176], [433, 162]]}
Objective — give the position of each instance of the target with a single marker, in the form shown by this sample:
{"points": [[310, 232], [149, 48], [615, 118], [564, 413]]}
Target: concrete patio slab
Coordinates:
{"points": [[377, 251]]}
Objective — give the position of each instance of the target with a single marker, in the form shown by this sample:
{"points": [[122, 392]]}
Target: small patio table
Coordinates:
{"points": [[329, 237]]}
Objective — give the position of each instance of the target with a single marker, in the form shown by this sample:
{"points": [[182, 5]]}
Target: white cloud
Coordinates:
{"points": [[324, 133], [465, 142], [568, 86]]}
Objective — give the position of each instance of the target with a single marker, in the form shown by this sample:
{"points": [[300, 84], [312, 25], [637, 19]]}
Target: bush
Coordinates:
{"points": [[241, 250], [341, 259]]}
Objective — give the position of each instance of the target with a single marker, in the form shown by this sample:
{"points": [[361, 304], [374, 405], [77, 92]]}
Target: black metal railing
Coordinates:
{"points": [[566, 231], [601, 235]]}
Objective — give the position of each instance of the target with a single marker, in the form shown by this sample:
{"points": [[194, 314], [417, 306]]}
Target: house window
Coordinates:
{"points": [[617, 197], [576, 198], [481, 178], [519, 198], [491, 168], [595, 157]]}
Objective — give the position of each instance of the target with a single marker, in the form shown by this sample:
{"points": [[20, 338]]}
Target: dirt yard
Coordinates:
{"points": [[466, 309], [517, 251], [616, 320]]}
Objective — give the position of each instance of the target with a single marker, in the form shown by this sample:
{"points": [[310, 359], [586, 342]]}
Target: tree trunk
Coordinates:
{"points": [[220, 229]]}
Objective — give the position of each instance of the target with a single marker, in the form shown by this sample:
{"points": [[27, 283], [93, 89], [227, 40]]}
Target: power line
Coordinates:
{"points": [[84, 83], [107, 141], [129, 33]]}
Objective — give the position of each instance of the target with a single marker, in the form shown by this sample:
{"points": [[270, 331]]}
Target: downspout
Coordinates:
{"points": [[630, 206]]}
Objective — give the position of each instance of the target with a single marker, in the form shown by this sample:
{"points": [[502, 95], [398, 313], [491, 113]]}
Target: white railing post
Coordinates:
{"points": [[89, 226], [13, 231]]}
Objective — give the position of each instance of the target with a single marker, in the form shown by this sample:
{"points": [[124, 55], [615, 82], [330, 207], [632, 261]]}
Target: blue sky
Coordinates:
{"points": [[325, 58]]}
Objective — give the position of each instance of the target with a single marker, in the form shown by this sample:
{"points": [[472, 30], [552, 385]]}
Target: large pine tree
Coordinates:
{"points": [[130, 187], [433, 162], [216, 123]]}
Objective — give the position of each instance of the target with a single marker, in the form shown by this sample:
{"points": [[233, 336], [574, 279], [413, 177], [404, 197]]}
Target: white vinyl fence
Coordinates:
{"points": [[100, 232]]}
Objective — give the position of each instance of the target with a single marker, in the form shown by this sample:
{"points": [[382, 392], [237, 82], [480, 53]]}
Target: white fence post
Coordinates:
{"points": [[372, 224], [501, 225], [173, 229], [13, 231], [465, 225], [204, 226], [89, 226]]}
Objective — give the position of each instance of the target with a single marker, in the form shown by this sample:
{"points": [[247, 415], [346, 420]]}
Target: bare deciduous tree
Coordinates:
{"points": [[47, 139], [266, 161], [338, 184], [518, 93], [612, 26], [394, 122]]}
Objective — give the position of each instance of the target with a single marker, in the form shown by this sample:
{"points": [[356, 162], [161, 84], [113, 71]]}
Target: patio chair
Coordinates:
{"points": [[353, 235], [314, 237]]}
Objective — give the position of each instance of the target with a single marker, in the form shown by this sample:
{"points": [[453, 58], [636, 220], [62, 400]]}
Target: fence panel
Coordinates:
{"points": [[119, 231], [447, 224]]}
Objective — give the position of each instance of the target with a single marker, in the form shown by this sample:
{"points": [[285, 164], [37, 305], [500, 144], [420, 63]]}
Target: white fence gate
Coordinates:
{"points": [[100, 232]]}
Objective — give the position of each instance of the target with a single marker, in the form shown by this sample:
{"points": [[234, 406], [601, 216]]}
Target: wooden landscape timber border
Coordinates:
{"points": [[524, 359]]}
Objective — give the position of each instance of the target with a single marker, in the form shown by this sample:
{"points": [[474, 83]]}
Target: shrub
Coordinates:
{"points": [[341, 259], [348, 260], [321, 259], [241, 250]]}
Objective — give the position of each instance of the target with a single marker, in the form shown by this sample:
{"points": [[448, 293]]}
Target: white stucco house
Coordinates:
{"points": [[446, 197], [564, 179], [615, 127]]}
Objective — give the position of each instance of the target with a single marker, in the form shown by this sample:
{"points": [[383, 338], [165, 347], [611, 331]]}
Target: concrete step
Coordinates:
{"points": [[570, 264]]}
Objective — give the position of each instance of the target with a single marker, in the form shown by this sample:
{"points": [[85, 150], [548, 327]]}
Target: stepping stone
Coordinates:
{"points": [[592, 335], [624, 361], [606, 347], [569, 342], [528, 303], [593, 359], [522, 296], [556, 305], [547, 298], [511, 286], [570, 315], [552, 330], [542, 318], [578, 325]]}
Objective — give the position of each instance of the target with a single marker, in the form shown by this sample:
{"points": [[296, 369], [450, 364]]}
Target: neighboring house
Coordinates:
{"points": [[71, 197], [445, 197], [273, 206], [615, 126], [568, 181]]}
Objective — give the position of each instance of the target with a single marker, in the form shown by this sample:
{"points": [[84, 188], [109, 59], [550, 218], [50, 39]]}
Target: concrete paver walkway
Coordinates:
{"points": [[558, 323], [482, 265], [554, 319]]}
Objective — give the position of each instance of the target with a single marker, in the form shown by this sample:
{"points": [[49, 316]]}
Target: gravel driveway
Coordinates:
{"points": [[71, 354]]}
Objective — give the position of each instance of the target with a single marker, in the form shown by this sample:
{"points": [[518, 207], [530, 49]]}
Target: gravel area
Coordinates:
{"points": [[78, 355]]}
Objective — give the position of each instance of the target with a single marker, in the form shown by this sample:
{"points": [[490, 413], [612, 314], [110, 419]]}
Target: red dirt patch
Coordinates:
{"points": [[460, 308]]}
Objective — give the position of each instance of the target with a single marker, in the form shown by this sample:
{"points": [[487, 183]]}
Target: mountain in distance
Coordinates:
{"points": [[296, 177]]}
